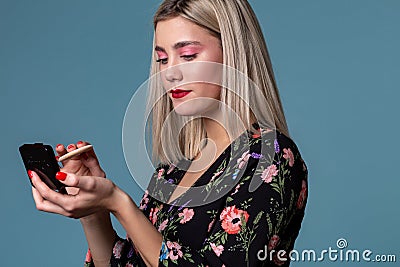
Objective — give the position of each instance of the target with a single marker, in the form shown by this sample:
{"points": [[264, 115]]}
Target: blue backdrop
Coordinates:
{"points": [[69, 68]]}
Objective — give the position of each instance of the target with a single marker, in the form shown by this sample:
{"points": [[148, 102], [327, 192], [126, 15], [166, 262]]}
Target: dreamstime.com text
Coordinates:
{"points": [[340, 253]]}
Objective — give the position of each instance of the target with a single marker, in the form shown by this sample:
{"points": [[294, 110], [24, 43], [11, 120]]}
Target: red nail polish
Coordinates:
{"points": [[61, 176], [79, 142], [57, 157], [71, 146], [59, 145], [30, 174]]}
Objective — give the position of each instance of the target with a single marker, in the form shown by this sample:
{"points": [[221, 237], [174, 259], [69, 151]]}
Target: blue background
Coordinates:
{"points": [[69, 68]]}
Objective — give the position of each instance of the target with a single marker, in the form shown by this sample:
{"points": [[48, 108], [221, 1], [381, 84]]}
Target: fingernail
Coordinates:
{"points": [[57, 157], [61, 176], [71, 147], [79, 142], [30, 174], [59, 145]]}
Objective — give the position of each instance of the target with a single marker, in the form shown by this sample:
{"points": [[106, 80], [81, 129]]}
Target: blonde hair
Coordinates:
{"points": [[244, 49]]}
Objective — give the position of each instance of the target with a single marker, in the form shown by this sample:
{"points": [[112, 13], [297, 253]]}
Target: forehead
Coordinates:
{"points": [[178, 29]]}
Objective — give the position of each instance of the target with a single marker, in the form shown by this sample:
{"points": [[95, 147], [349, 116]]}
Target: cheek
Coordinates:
{"points": [[208, 90], [215, 91], [205, 74]]}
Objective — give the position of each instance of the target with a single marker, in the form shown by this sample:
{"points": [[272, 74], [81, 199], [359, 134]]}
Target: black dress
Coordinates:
{"points": [[245, 208]]}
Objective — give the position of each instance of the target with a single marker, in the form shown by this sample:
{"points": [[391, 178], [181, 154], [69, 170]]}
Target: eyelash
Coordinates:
{"points": [[185, 57]]}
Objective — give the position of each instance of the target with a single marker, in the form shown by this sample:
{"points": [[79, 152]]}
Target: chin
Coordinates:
{"points": [[187, 110], [194, 109]]}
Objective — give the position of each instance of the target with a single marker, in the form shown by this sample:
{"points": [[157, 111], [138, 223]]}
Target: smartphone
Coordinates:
{"points": [[41, 159]]}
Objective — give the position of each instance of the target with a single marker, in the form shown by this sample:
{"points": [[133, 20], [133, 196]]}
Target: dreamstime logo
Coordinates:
{"points": [[341, 243], [341, 254], [153, 97]]}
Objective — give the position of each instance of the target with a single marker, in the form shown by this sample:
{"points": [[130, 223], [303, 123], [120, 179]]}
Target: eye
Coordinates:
{"points": [[189, 57], [163, 61]]}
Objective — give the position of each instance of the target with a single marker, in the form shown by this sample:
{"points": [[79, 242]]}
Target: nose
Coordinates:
{"points": [[173, 74]]}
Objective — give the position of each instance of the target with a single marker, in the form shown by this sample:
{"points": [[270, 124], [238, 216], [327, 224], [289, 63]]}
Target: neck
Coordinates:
{"points": [[216, 133]]}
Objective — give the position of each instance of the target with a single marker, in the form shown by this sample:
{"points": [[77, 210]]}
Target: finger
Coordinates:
{"points": [[90, 160], [86, 155], [82, 143], [47, 193], [45, 205], [87, 183], [92, 163], [60, 150], [71, 147], [37, 197]]}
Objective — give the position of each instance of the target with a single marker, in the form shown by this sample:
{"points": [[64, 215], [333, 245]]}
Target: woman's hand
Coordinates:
{"points": [[85, 164], [94, 194]]}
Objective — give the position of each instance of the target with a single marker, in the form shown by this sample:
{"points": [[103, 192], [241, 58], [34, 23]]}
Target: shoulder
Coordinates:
{"points": [[283, 147], [280, 166], [286, 149]]}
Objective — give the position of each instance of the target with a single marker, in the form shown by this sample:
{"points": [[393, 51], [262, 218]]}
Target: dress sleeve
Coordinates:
{"points": [[252, 227]]}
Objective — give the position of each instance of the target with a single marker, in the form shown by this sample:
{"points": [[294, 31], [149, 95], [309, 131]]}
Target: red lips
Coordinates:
{"points": [[179, 93]]}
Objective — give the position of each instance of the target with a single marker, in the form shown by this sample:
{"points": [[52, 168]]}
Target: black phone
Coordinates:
{"points": [[41, 159]]}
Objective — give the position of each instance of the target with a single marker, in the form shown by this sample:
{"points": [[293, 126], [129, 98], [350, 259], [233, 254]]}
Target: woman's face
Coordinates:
{"points": [[194, 88]]}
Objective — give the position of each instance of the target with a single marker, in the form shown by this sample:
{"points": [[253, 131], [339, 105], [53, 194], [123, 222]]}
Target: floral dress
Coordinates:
{"points": [[245, 208]]}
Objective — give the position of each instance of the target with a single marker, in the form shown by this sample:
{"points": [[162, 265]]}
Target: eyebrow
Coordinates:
{"points": [[178, 45]]}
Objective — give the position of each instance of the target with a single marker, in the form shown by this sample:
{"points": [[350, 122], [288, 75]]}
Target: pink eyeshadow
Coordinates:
{"points": [[189, 50]]}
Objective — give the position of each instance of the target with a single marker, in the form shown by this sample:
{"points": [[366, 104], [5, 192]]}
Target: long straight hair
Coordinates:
{"points": [[244, 49]]}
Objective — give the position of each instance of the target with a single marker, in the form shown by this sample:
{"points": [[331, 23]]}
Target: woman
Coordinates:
{"points": [[241, 197]]}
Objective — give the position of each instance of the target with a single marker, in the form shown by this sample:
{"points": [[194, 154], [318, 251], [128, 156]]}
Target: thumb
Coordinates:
{"points": [[68, 179], [73, 180]]}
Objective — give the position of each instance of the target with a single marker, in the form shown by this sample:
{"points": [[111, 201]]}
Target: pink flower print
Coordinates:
{"points": [[303, 195], [153, 215], [160, 173], [273, 242], [144, 201], [129, 265], [217, 249], [215, 175], [118, 248], [174, 250], [187, 215], [231, 218], [211, 224], [243, 160], [269, 173], [88, 256], [171, 168], [163, 225], [236, 189], [288, 154]]}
